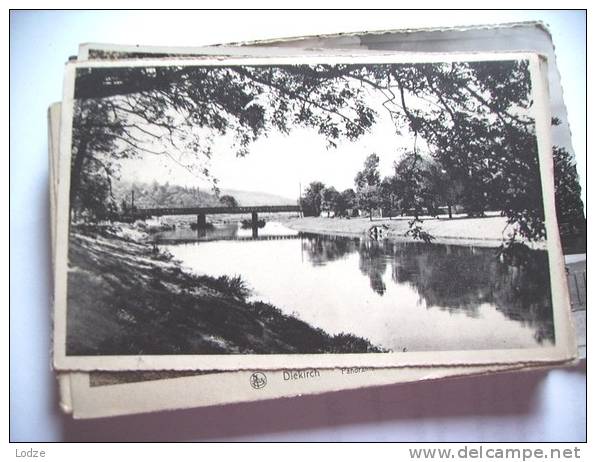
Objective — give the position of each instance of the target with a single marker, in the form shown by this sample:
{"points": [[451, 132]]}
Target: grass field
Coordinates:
{"points": [[486, 232]]}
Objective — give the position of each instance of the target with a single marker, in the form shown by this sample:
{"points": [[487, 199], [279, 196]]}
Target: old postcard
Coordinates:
{"points": [[528, 36], [107, 394], [105, 51], [365, 145], [166, 401], [531, 36], [525, 36]]}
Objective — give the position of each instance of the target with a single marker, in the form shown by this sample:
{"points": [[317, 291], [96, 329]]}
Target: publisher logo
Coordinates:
{"points": [[258, 380]]}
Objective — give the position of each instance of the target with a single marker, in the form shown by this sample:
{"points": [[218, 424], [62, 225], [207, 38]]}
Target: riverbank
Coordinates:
{"points": [[479, 232], [126, 297]]}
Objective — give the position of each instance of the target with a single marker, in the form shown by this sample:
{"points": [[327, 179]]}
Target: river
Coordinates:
{"points": [[402, 296]]}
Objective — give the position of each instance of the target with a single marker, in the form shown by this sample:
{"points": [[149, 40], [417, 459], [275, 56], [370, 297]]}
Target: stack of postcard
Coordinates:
{"points": [[262, 220]]}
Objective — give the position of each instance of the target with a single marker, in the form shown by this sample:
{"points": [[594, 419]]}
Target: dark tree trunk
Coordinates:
{"points": [[77, 172]]}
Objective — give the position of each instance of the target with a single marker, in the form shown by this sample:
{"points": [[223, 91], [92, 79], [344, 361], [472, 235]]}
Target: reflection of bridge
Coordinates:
{"points": [[229, 238], [202, 212]]}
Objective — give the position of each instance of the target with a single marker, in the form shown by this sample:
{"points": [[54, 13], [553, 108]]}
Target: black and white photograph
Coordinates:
{"points": [[315, 207], [95, 395], [298, 225]]}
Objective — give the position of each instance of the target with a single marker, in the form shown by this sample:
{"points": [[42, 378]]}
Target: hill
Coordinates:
{"points": [[154, 194], [248, 198], [148, 195]]}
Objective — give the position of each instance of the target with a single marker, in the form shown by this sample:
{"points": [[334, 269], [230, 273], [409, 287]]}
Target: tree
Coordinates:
{"points": [[389, 195], [346, 201], [311, 200], [154, 195], [441, 189], [570, 210], [228, 201], [478, 127], [368, 182], [473, 117], [329, 197], [91, 178], [124, 112], [408, 184]]}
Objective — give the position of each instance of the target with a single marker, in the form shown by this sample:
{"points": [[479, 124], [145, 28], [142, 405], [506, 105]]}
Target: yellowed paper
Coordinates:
{"points": [[99, 394], [167, 401], [526, 36], [244, 386], [563, 350]]}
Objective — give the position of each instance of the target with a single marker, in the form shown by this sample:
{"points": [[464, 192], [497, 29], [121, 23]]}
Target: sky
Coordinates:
{"points": [[279, 163]]}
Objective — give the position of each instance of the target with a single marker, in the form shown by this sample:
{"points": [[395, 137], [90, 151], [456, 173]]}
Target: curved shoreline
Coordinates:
{"points": [[477, 232], [126, 297]]}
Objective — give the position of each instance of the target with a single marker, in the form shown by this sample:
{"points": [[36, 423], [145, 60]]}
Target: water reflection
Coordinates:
{"points": [[373, 263], [226, 231], [449, 277], [397, 294]]}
